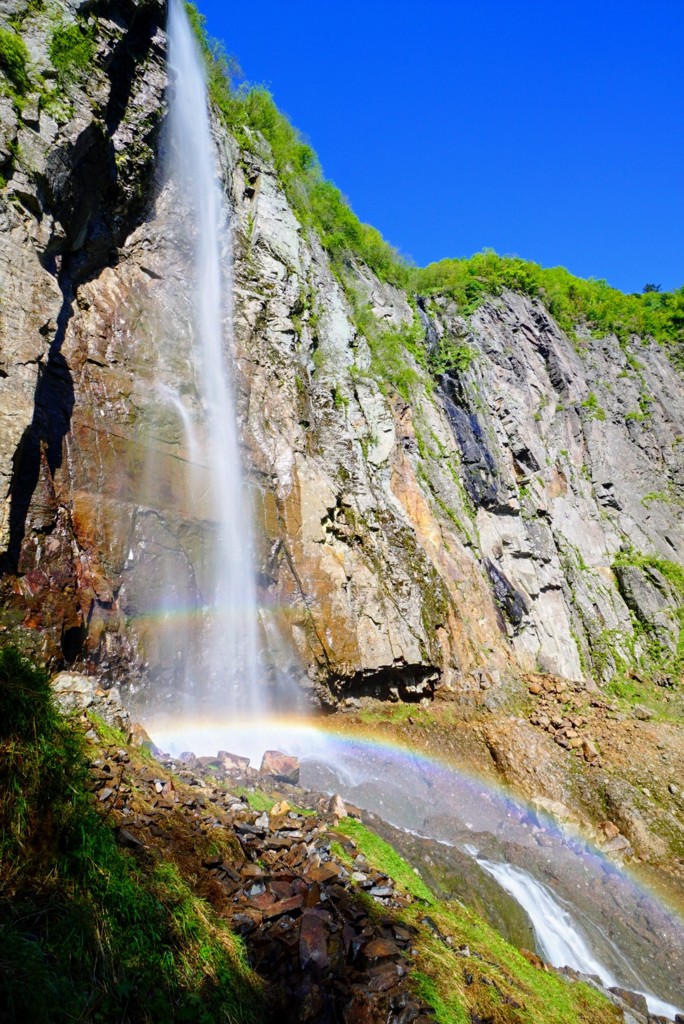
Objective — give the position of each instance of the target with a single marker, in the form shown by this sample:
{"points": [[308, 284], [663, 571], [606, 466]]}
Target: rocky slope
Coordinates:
{"points": [[124, 881]]}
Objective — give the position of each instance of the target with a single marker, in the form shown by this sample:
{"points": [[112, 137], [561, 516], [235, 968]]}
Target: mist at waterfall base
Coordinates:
{"points": [[210, 613]]}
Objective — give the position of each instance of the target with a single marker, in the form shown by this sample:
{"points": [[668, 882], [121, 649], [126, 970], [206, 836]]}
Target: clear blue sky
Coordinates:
{"points": [[552, 129]]}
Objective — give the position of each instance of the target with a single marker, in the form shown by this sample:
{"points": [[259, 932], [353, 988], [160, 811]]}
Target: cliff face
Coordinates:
{"points": [[449, 538]]}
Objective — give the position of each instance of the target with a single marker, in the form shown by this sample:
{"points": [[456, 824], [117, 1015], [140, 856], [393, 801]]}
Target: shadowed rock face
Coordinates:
{"points": [[402, 548]]}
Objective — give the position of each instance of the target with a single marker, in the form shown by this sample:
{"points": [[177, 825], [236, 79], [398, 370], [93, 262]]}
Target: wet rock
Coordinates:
{"points": [[281, 766], [633, 999]]}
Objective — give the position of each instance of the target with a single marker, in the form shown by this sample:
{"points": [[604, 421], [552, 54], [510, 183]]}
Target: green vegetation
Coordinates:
{"points": [[317, 202], [86, 930], [13, 60], [464, 969], [571, 300], [592, 408], [386, 859], [493, 981], [30, 7], [250, 113], [670, 571], [71, 51], [389, 347], [658, 661], [451, 354]]}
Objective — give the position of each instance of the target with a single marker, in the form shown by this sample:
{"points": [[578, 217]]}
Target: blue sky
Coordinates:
{"points": [[552, 130]]}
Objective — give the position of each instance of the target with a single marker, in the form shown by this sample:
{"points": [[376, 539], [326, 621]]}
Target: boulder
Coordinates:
{"points": [[620, 844], [635, 1000], [610, 831], [337, 806], [74, 691], [281, 766], [233, 762]]}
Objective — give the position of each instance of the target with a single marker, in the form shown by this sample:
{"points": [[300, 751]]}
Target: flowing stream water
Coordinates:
{"points": [[560, 938], [405, 790]]}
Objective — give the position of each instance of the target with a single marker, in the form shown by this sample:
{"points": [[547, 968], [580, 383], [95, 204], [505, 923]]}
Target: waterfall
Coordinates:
{"points": [[205, 604]]}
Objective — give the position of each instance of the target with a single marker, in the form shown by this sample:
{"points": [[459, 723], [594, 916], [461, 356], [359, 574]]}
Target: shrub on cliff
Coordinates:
{"points": [[320, 204], [13, 59], [570, 300], [71, 51], [317, 202]]}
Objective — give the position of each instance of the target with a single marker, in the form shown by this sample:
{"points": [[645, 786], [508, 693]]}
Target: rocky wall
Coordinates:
{"points": [[444, 542]]}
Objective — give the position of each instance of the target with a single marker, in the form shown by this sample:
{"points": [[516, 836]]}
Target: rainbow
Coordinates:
{"points": [[318, 738], [433, 799]]}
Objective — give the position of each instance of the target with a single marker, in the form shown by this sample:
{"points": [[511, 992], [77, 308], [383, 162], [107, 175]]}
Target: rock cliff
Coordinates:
{"points": [[521, 512]]}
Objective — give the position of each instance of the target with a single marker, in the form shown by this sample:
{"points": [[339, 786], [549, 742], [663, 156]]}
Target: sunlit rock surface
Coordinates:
{"points": [[403, 548]]}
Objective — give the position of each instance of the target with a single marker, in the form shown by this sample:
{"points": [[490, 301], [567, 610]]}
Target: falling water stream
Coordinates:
{"points": [[402, 788], [225, 614]]}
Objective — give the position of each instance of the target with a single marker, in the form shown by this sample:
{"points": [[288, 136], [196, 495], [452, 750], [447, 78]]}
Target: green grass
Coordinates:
{"points": [[260, 801], [386, 859], [87, 931], [256, 799], [13, 60], [453, 984]]}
